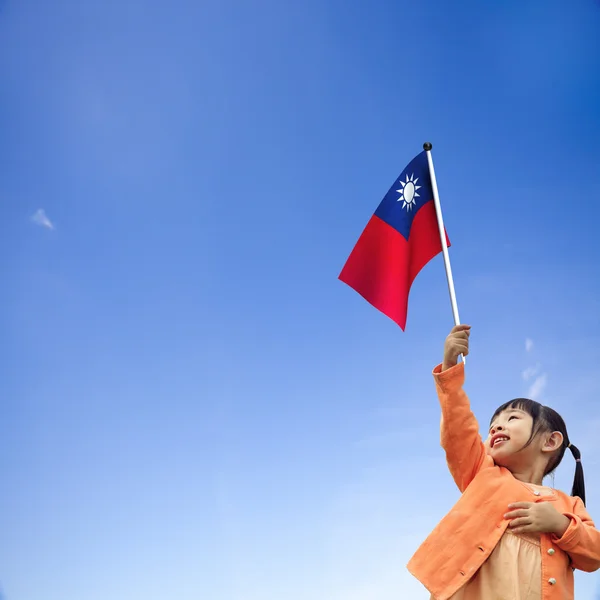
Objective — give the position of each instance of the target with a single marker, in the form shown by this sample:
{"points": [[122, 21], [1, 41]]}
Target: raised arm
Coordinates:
{"points": [[460, 438]]}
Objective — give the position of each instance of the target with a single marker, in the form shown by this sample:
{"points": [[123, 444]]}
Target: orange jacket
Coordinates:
{"points": [[467, 535]]}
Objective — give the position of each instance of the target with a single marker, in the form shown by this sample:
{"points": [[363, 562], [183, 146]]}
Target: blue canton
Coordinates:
{"points": [[390, 210]]}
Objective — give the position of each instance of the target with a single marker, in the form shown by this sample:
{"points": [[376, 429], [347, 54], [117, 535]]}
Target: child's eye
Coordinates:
{"points": [[512, 417]]}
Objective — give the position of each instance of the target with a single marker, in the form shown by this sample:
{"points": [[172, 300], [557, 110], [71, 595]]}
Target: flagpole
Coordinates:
{"points": [[438, 211]]}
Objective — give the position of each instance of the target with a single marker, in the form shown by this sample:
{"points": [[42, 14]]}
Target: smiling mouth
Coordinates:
{"points": [[499, 440]]}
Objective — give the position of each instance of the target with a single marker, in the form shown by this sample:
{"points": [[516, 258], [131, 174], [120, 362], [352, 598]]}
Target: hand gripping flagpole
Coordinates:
{"points": [[438, 211]]}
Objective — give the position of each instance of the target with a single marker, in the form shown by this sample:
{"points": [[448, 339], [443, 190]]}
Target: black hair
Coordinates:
{"points": [[547, 420]]}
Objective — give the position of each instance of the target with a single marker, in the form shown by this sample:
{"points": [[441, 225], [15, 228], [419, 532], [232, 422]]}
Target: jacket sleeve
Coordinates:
{"points": [[581, 540], [465, 452]]}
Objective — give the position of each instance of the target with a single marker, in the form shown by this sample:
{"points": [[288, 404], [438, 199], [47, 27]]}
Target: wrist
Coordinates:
{"points": [[448, 364], [562, 524]]}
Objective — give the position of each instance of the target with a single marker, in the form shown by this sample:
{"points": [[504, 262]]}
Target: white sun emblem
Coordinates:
{"points": [[408, 193]]}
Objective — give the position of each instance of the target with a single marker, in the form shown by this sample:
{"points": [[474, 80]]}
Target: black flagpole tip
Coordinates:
{"points": [[427, 146]]}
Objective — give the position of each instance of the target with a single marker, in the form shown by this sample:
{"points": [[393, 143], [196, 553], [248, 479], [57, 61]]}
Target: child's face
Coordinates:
{"points": [[509, 433]]}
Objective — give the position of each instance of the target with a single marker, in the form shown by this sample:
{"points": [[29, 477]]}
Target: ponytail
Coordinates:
{"points": [[578, 482]]}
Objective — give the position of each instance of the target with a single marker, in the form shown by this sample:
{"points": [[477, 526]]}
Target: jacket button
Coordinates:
{"points": [[551, 551], [551, 581]]}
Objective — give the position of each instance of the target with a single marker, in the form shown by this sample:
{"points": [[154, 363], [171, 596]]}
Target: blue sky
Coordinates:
{"points": [[193, 406]]}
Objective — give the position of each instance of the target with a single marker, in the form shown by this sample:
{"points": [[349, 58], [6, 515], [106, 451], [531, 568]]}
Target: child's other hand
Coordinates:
{"points": [[457, 343], [536, 517]]}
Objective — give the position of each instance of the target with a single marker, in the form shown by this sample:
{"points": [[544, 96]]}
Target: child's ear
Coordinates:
{"points": [[553, 442]]}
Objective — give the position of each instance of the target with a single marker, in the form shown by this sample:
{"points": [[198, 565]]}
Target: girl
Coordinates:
{"points": [[508, 537]]}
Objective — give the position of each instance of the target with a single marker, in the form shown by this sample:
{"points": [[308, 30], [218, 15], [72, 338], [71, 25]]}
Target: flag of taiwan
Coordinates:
{"points": [[399, 240]]}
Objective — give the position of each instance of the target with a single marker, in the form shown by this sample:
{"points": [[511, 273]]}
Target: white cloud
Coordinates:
{"points": [[39, 218], [530, 372], [538, 386], [529, 344]]}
